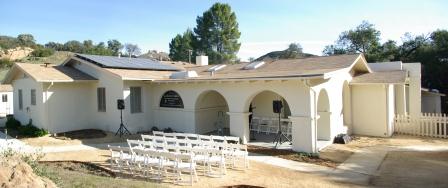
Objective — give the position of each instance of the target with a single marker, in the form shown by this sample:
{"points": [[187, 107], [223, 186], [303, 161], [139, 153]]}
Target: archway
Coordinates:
{"points": [[264, 121], [211, 113], [346, 105], [324, 121]]}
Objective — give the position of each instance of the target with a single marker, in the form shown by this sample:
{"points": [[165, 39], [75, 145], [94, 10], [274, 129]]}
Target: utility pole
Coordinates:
{"points": [[189, 55]]}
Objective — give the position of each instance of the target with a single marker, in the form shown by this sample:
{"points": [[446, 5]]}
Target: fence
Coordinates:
{"points": [[428, 124]]}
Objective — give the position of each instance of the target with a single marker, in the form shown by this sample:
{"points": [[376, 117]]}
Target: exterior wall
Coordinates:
{"points": [[238, 96], [109, 120], [34, 112], [431, 103], [263, 105], [8, 106], [372, 109], [414, 102], [67, 106], [400, 99], [135, 122]]}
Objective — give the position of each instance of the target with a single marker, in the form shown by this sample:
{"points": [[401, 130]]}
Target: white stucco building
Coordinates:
{"points": [[6, 105], [322, 96]]}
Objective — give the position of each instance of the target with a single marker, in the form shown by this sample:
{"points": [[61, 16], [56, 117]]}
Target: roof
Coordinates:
{"points": [[427, 91], [127, 74], [50, 73], [5, 88], [306, 67], [126, 63], [391, 77]]}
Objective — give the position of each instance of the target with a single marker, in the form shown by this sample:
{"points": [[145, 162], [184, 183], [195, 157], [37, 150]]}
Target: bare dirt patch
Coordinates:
{"points": [[413, 169], [16, 173], [97, 138], [291, 155], [81, 134]]}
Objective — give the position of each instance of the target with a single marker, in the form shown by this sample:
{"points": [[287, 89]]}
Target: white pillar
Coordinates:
{"points": [[239, 125], [303, 134], [400, 99], [415, 104]]}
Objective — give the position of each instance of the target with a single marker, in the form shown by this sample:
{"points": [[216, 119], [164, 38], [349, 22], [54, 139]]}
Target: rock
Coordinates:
{"points": [[342, 139], [16, 173]]}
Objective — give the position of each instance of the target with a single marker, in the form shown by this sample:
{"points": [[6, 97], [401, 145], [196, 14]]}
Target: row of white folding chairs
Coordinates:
{"points": [[234, 152], [191, 136], [156, 162], [270, 125]]}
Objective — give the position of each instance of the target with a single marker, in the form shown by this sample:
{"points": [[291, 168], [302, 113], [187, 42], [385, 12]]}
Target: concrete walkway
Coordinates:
{"points": [[53, 149]]}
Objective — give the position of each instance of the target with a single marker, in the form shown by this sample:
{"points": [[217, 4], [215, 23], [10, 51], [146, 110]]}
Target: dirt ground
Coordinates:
{"points": [[259, 174], [60, 141]]}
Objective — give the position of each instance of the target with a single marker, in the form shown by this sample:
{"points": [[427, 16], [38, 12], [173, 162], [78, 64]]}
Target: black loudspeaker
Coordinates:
{"points": [[277, 106], [120, 104]]}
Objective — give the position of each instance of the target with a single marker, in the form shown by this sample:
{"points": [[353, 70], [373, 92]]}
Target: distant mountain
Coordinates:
{"points": [[284, 54], [153, 54]]}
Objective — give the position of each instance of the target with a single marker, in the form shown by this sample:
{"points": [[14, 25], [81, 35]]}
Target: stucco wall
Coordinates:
{"points": [[68, 106], [109, 120], [369, 109], [211, 108], [431, 103], [34, 112], [137, 121]]}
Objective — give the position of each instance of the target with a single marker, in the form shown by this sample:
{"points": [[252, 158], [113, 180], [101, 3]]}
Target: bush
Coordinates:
{"points": [[5, 63], [154, 128], [168, 130], [42, 52], [30, 130], [12, 123]]}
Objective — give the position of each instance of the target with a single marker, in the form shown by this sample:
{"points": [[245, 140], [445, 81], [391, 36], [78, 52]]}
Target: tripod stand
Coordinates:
{"points": [[122, 130], [280, 135]]}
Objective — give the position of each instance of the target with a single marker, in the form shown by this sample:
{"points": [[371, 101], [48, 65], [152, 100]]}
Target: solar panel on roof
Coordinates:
{"points": [[126, 63]]}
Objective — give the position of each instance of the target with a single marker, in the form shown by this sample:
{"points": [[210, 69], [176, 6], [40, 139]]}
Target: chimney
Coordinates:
{"points": [[202, 60]]}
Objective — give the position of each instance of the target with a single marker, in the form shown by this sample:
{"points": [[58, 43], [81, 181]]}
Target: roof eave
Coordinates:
{"points": [[303, 77]]}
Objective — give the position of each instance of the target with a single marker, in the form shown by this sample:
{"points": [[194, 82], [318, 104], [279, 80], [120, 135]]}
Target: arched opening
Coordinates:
{"points": [[324, 121], [265, 122], [346, 105], [211, 114]]}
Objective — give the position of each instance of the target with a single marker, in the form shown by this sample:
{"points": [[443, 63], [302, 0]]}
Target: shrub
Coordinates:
{"points": [[31, 131], [5, 63], [154, 128], [168, 130], [12, 123], [42, 52]]}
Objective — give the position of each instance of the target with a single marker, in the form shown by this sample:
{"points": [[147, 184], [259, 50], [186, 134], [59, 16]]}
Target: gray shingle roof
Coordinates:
{"points": [[126, 63]]}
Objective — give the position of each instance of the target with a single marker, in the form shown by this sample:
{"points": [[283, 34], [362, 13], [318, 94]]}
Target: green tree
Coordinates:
{"points": [[181, 47], [217, 34], [132, 50], [55, 46], [74, 46], [115, 46], [363, 39], [293, 51], [26, 40]]}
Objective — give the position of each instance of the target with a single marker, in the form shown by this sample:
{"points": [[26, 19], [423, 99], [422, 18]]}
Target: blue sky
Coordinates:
{"points": [[265, 25]]}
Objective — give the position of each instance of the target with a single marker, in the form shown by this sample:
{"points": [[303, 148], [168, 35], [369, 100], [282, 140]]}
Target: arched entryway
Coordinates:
{"points": [[211, 114], [324, 121], [264, 121]]}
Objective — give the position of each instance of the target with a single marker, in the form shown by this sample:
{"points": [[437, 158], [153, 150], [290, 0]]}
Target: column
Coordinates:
{"points": [[239, 125], [400, 99], [303, 134]]}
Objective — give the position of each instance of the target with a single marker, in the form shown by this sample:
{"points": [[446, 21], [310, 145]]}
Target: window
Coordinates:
{"points": [[101, 94], [136, 99], [20, 100], [33, 97], [5, 98]]}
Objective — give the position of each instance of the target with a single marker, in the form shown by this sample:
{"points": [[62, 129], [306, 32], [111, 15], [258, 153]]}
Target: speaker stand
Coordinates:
{"points": [[280, 135], [122, 130]]}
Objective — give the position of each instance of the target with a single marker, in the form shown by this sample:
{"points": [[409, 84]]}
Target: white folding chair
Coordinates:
{"points": [[170, 141], [139, 160], [183, 143], [264, 125], [273, 126], [115, 154], [158, 133], [205, 137], [232, 139], [134, 144], [170, 135], [239, 151], [126, 157], [191, 136], [215, 138], [152, 159], [216, 158], [201, 156], [255, 124], [186, 163], [148, 138], [167, 162], [195, 143]]}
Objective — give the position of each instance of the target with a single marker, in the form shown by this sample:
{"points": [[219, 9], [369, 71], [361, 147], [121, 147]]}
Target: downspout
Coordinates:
{"points": [[387, 109], [315, 114], [47, 106]]}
